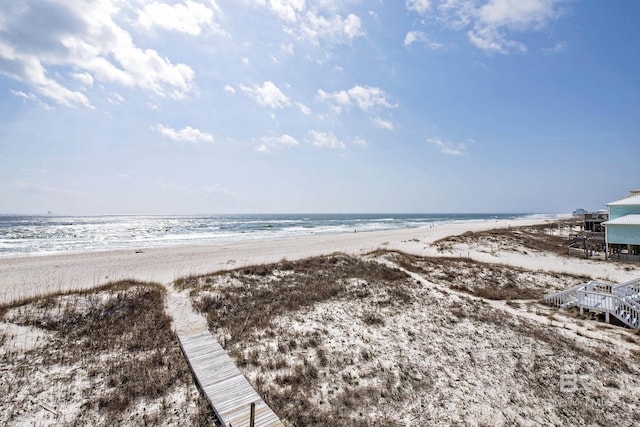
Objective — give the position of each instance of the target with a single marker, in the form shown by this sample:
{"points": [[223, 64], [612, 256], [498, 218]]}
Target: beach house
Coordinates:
{"points": [[622, 230]]}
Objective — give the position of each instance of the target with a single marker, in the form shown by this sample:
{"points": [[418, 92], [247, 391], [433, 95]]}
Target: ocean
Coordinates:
{"points": [[37, 235]]}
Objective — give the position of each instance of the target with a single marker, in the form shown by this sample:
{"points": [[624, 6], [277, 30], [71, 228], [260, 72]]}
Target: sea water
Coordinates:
{"points": [[31, 235]]}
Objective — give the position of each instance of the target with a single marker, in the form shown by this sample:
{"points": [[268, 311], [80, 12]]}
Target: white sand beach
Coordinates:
{"points": [[388, 346], [25, 277]]}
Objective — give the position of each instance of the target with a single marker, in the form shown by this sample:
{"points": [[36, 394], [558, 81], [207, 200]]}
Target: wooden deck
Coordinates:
{"points": [[227, 390]]}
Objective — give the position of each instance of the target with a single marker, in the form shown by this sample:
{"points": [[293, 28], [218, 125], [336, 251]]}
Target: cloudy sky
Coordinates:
{"points": [[243, 106]]}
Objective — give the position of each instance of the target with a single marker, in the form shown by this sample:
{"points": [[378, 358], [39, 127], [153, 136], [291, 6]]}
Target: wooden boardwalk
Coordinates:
{"points": [[227, 390]]}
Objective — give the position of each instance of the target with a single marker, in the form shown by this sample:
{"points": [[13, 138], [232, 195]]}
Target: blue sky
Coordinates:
{"points": [[243, 106]]}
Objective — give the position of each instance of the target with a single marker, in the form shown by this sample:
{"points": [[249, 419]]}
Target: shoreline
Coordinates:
{"points": [[329, 333], [29, 276], [102, 234]]}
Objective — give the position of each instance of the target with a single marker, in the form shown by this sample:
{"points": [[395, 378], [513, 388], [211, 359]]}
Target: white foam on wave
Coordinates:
{"points": [[44, 235]]}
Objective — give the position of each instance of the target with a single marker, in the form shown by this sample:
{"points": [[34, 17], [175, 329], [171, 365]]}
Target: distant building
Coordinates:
{"points": [[593, 221], [622, 234]]}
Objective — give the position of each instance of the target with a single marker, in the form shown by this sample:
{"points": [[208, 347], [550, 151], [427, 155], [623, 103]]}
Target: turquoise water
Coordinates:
{"points": [[26, 235]]}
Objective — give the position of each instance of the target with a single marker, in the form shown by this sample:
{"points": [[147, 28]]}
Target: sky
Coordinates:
{"points": [[294, 106]]}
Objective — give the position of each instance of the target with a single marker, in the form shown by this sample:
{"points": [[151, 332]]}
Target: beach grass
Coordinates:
{"points": [[346, 340], [100, 357], [487, 280], [550, 237]]}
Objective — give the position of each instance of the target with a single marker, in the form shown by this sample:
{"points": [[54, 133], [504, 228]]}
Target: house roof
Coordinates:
{"points": [[632, 219], [630, 200]]}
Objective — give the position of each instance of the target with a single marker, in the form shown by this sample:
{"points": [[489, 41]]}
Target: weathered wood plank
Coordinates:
{"points": [[227, 390]]}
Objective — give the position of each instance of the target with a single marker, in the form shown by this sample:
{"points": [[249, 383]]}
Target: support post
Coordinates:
{"points": [[252, 415]]}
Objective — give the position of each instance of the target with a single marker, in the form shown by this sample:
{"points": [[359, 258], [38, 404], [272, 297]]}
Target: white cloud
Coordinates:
{"points": [[490, 25], [369, 97], [267, 95], [449, 148], [115, 99], [287, 9], [325, 140], [187, 134], [85, 79], [189, 17], [384, 124], [420, 37], [315, 20], [83, 36], [338, 99], [457, 13], [420, 6], [282, 141], [303, 108], [230, 89], [497, 17], [412, 37], [364, 97], [316, 27], [360, 141], [517, 13], [556, 49], [285, 140], [31, 97], [490, 39], [27, 68], [287, 48]]}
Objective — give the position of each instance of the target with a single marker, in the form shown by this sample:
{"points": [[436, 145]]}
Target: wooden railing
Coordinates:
{"points": [[630, 289], [569, 297], [627, 312], [561, 298], [622, 301], [594, 300]]}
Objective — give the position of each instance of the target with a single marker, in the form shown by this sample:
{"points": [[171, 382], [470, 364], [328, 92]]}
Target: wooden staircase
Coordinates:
{"points": [[620, 300]]}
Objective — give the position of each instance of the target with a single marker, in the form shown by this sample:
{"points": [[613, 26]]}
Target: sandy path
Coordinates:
{"points": [[185, 320], [607, 271], [36, 275]]}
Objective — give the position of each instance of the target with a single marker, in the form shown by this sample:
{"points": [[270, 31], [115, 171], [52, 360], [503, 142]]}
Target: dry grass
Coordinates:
{"points": [[263, 291], [245, 304], [101, 357], [542, 238], [360, 343], [485, 280]]}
